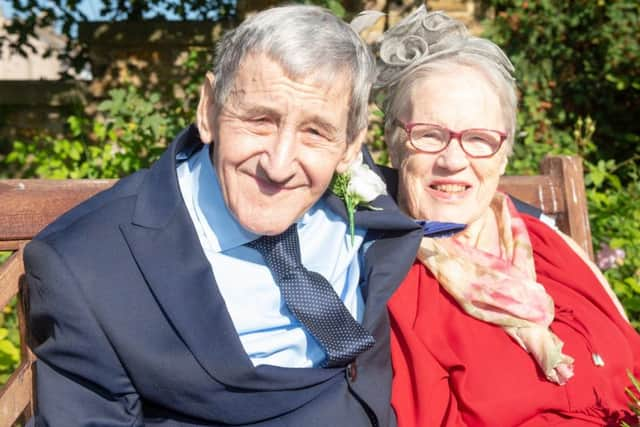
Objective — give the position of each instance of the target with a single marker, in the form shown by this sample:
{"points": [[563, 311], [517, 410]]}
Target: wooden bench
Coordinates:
{"points": [[26, 206]]}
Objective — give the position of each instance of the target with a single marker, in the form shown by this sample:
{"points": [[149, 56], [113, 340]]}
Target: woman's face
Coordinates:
{"points": [[450, 185]]}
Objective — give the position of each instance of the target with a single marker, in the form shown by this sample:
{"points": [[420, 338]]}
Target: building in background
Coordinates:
{"points": [[35, 66]]}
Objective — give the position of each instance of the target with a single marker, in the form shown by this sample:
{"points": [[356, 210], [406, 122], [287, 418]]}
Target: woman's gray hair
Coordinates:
{"points": [[426, 43], [305, 41]]}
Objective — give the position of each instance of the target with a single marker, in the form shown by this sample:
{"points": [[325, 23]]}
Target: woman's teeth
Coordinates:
{"points": [[449, 188]]}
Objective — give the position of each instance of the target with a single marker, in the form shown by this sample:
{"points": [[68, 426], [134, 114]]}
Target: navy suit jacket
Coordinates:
{"points": [[130, 328]]}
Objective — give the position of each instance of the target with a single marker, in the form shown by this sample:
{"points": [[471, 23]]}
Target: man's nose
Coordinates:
{"points": [[279, 161], [453, 157]]}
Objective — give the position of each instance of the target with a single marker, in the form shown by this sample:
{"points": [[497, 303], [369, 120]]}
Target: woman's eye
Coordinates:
{"points": [[426, 134], [432, 135], [479, 140]]}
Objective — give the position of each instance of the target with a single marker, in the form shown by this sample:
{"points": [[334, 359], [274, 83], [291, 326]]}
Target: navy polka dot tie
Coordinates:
{"points": [[312, 299]]}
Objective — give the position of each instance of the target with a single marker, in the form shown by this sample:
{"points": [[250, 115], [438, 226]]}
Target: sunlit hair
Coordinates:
{"points": [[425, 44], [307, 41]]}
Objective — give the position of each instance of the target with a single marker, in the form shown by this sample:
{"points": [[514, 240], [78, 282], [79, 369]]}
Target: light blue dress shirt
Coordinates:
{"points": [[269, 333]]}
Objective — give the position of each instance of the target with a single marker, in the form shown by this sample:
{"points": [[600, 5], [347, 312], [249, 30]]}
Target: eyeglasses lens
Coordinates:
{"points": [[429, 138], [480, 142], [475, 142]]}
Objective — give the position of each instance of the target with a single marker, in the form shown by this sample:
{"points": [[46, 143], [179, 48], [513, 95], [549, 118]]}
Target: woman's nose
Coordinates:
{"points": [[453, 157]]}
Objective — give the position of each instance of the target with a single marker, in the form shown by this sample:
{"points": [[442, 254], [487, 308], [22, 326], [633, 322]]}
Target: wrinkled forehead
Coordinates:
{"points": [[456, 80], [330, 78], [327, 74]]}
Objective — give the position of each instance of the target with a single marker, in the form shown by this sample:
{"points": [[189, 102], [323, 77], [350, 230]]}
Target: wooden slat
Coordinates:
{"points": [[538, 190], [26, 356], [10, 272], [568, 172], [15, 396], [29, 205], [23, 312], [11, 245]]}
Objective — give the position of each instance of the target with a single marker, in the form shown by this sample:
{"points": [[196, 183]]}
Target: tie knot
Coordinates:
{"points": [[281, 252]]}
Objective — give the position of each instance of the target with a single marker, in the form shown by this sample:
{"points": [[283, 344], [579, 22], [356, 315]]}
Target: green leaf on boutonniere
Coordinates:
{"points": [[359, 186]]}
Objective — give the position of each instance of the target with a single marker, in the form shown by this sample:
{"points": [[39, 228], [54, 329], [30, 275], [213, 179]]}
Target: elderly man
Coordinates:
{"points": [[223, 286]]}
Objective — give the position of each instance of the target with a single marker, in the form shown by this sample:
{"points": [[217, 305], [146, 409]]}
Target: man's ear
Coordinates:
{"points": [[205, 115], [352, 151]]}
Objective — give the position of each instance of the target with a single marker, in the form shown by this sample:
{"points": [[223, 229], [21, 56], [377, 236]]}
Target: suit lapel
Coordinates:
{"points": [[387, 260], [166, 247]]}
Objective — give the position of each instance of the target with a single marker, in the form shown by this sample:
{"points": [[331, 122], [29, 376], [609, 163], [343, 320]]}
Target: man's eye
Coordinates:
{"points": [[261, 122], [316, 132], [260, 125]]}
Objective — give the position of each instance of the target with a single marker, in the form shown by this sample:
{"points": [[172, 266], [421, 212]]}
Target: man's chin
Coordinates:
{"points": [[267, 226]]}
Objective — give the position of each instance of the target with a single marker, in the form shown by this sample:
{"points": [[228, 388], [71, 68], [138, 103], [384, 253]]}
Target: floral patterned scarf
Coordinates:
{"points": [[502, 290]]}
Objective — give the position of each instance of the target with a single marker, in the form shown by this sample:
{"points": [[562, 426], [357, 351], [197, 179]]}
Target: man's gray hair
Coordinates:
{"points": [[306, 41], [428, 43]]}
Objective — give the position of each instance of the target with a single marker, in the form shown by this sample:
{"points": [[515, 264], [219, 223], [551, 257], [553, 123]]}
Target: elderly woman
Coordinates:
{"points": [[504, 323]]}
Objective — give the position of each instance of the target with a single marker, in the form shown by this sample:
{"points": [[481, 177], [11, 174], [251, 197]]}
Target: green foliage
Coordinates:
{"points": [[9, 342], [573, 59], [634, 398], [129, 136], [129, 131], [614, 215], [334, 6], [9, 336], [577, 71]]}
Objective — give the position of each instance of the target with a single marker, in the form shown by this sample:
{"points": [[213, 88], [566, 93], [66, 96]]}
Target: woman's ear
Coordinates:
{"points": [[351, 152], [205, 116], [503, 163]]}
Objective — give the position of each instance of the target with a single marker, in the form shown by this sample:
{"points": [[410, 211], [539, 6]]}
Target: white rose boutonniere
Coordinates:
{"points": [[359, 186]]}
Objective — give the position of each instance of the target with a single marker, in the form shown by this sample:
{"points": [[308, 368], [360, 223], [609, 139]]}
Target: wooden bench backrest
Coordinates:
{"points": [[560, 193], [26, 206]]}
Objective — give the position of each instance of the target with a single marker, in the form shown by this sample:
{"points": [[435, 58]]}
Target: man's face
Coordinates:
{"points": [[277, 142]]}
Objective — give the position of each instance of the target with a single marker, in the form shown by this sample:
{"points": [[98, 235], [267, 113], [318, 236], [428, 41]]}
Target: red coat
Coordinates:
{"points": [[451, 369]]}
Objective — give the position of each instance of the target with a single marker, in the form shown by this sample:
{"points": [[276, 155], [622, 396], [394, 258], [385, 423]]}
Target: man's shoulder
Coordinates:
{"points": [[107, 208]]}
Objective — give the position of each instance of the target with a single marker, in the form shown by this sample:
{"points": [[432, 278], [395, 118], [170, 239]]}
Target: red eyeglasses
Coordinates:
{"points": [[432, 138]]}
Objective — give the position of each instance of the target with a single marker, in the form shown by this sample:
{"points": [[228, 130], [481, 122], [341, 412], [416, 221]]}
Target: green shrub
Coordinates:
{"points": [[614, 214], [129, 135], [574, 59], [577, 67], [129, 130]]}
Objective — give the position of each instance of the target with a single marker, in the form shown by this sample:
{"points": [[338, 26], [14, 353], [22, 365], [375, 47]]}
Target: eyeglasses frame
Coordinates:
{"points": [[408, 127]]}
